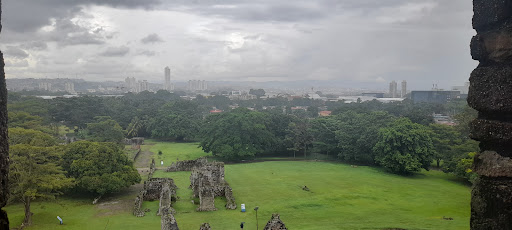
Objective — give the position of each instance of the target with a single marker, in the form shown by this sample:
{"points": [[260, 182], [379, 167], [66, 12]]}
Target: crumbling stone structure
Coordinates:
{"points": [[152, 169], [207, 182], [168, 222], [491, 94], [162, 189], [187, 165], [4, 145], [153, 188], [275, 223], [205, 226]]}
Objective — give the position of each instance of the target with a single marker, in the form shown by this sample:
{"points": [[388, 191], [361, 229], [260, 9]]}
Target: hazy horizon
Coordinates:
{"points": [[361, 43]]}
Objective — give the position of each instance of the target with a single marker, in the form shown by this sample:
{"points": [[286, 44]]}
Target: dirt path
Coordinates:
{"points": [[144, 158]]}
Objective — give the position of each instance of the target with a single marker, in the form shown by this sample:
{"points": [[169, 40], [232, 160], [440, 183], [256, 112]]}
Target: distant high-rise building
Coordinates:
{"points": [[197, 85], [142, 86], [45, 86], [393, 89], [167, 72], [130, 84], [404, 89], [69, 87]]}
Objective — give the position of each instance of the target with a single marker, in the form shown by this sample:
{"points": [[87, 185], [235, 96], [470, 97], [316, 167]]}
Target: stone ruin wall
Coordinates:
{"points": [[152, 169], [153, 188], [491, 94], [205, 226], [207, 182], [275, 223], [187, 165], [4, 145]]}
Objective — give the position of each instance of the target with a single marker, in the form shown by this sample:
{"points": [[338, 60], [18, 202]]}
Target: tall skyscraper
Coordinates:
{"points": [[404, 89], [167, 72], [393, 89]]}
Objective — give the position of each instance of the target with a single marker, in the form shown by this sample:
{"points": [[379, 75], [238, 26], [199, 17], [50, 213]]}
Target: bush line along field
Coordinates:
{"points": [[340, 197]]}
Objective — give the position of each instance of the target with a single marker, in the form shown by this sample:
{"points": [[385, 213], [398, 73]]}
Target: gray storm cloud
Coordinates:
{"points": [[360, 42]]}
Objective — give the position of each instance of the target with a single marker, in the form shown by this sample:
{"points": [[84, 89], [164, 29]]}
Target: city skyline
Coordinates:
{"points": [[420, 41]]}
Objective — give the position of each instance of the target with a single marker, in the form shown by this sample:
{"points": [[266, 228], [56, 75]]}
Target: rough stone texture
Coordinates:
{"points": [[493, 46], [490, 13], [206, 199], [207, 182], [152, 169], [491, 164], [165, 199], [491, 94], [230, 199], [153, 188], [137, 211], [491, 131], [187, 165], [4, 145], [275, 223], [491, 203], [168, 222], [205, 226], [491, 89]]}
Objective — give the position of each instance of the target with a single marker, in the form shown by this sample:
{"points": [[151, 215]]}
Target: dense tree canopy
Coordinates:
{"points": [[357, 134], [237, 134], [404, 147], [34, 170], [99, 168]]}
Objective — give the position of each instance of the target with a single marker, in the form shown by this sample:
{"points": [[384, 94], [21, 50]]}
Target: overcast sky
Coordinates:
{"points": [[358, 41]]}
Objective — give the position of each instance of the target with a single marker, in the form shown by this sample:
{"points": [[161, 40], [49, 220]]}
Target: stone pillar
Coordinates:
{"points": [[491, 94], [275, 223], [205, 226], [4, 145]]}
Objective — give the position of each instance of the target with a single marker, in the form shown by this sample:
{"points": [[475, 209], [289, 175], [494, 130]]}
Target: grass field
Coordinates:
{"points": [[172, 152], [340, 197]]}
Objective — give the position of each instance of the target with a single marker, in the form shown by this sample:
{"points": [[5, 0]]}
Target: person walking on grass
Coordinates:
{"points": [[242, 225]]}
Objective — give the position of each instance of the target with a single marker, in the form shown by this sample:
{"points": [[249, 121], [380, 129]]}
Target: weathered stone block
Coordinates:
{"points": [[275, 223], [187, 165], [490, 12], [494, 45], [206, 200], [168, 222], [491, 131], [491, 89], [230, 199], [492, 164], [205, 226], [153, 188], [491, 203], [137, 211]]}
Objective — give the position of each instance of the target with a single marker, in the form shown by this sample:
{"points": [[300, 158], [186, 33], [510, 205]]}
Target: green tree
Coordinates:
{"points": [[257, 92], [324, 130], [99, 168], [105, 130], [443, 138], [30, 137], [357, 134], [35, 173], [299, 136], [464, 168], [404, 147], [237, 134], [179, 120]]}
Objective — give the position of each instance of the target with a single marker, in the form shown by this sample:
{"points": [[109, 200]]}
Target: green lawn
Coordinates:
{"points": [[340, 197], [172, 152]]}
